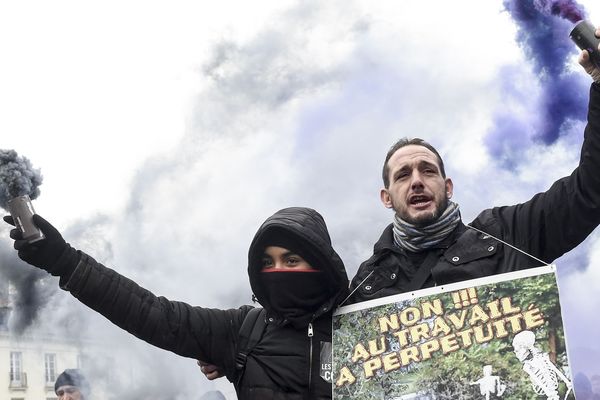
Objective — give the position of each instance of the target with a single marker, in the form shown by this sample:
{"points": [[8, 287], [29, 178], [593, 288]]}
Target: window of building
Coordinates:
{"points": [[50, 368], [16, 369]]}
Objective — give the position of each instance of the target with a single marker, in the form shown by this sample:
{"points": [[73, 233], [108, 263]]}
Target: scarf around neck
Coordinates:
{"points": [[415, 239]]}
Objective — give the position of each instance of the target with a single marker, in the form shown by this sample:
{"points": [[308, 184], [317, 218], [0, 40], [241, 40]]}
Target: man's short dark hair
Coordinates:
{"points": [[407, 142]]}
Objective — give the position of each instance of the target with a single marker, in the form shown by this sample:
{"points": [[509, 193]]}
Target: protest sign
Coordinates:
{"points": [[494, 337]]}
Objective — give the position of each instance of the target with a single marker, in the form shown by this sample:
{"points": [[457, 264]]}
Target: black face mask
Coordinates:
{"points": [[296, 295]]}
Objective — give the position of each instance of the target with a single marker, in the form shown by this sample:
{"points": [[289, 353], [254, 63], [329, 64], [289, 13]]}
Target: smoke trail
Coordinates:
{"points": [[17, 177], [567, 9], [32, 290], [543, 28]]}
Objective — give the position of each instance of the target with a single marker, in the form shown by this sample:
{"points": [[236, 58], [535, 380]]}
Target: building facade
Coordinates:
{"points": [[29, 365]]}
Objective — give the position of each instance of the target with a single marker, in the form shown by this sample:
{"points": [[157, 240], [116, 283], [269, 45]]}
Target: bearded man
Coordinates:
{"points": [[428, 244]]}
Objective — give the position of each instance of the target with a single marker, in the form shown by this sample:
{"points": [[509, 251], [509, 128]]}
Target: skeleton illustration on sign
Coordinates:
{"points": [[542, 372], [489, 384]]}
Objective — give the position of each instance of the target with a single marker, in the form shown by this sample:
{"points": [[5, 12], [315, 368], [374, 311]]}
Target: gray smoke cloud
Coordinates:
{"points": [[213, 395], [17, 177]]}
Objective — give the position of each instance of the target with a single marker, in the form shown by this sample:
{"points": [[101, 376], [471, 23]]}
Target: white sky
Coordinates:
{"points": [[166, 132]]}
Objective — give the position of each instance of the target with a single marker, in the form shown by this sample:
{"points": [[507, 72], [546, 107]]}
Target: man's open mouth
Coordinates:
{"points": [[419, 200]]}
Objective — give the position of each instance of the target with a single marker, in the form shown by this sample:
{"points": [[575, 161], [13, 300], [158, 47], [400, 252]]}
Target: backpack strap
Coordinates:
{"points": [[250, 334]]}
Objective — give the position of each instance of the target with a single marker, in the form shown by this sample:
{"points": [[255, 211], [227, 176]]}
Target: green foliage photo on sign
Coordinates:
{"points": [[492, 338]]}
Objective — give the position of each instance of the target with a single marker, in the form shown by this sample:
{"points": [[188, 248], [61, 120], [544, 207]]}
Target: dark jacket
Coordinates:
{"points": [[547, 226], [279, 367]]}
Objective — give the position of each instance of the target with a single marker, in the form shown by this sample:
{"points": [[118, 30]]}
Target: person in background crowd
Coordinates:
{"points": [[71, 385]]}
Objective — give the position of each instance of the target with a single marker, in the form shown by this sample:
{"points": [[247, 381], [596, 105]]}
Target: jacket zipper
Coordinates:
{"points": [[310, 357]]}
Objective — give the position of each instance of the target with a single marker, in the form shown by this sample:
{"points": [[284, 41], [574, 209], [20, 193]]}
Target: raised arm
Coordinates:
{"points": [[195, 332], [556, 221]]}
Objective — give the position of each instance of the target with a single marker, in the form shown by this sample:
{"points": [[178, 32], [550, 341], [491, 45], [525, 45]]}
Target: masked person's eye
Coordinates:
{"points": [[266, 263]]}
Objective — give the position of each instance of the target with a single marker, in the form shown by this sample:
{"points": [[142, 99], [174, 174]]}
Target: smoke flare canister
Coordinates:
{"points": [[583, 34], [21, 210]]}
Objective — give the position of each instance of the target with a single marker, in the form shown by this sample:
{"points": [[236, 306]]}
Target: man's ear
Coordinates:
{"points": [[385, 198], [449, 188]]}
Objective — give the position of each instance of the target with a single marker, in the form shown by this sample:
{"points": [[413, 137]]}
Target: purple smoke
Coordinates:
{"points": [[543, 28], [567, 9]]}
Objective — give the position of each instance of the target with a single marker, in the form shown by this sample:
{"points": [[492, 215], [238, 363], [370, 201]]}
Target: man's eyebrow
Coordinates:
{"points": [[425, 163], [403, 168], [420, 165]]}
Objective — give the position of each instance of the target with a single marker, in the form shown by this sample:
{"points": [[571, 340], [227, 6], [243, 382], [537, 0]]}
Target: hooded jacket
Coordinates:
{"points": [[289, 362]]}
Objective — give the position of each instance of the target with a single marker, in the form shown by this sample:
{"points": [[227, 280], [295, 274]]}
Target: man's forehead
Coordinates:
{"points": [[412, 154]]}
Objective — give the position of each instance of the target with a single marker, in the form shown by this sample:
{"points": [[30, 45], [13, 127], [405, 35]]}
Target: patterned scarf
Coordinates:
{"points": [[415, 239]]}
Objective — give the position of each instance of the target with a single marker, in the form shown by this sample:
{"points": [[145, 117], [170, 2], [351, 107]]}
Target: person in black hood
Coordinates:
{"points": [[294, 272]]}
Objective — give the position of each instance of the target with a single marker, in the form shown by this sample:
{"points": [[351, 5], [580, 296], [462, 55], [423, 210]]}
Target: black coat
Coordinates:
{"points": [[547, 226], [279, 366]]}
